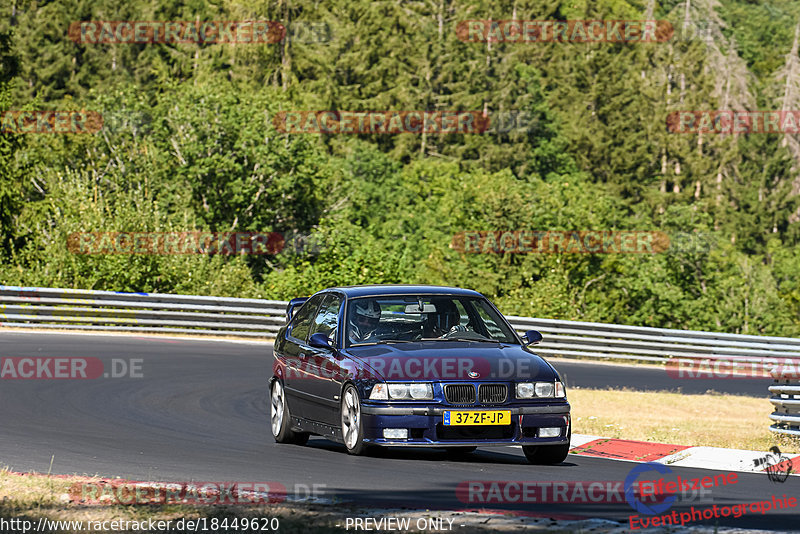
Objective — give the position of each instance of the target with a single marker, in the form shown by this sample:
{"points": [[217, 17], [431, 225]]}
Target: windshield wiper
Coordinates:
{"points": [[381, 342], [463, 339]]}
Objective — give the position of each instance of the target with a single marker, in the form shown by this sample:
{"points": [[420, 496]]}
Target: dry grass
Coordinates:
{"points": [[33, 496], [729, 421]]}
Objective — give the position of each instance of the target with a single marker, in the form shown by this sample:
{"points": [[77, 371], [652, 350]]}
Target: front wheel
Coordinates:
{"points": [[281, 420], [352, 427], [546, 454]]}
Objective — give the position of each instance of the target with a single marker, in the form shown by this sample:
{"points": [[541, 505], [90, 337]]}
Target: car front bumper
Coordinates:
{"points": [[426, 427]]}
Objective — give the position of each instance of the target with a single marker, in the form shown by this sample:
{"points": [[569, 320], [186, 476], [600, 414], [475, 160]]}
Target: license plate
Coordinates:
{"points": [[496, 417]]}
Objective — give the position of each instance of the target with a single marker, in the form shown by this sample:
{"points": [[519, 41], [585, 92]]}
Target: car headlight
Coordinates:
{"points": [[544, 389], [421, 390], [532, 390], [400, 391], [525, 390]]}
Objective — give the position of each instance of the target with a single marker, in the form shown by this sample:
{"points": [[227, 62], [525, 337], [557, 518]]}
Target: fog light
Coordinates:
{"points": [[395, 433], [548, 432]]}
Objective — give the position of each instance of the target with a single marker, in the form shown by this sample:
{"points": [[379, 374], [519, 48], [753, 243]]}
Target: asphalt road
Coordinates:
{"points": [[586, 374], [198, 413]]}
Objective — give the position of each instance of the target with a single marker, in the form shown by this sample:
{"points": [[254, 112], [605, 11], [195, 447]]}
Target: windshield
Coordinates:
{"points": [[424, 317]]}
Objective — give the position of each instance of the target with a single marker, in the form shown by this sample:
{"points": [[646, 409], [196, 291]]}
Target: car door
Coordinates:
{"points": [[325, 364], [296, 353]]}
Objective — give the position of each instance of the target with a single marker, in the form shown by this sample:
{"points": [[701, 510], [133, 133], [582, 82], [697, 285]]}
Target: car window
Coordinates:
{"points": [[301, 323], [327, 316], [462, 314], [495, 327], [422, 317]]}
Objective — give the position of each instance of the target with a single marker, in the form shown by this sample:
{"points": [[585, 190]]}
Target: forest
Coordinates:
{"points": [[213, 135]]}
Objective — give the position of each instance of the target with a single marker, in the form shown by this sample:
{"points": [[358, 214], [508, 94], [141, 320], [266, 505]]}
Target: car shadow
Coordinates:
{"points": [[489, 455]]}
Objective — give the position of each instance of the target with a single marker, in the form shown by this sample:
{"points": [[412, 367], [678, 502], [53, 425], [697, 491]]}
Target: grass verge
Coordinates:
{"points": [[35, 497], [31, 497]]}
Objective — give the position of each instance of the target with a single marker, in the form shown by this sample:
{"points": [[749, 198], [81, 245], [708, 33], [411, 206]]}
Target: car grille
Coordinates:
{"points": [[459, 393], [492, 393]]}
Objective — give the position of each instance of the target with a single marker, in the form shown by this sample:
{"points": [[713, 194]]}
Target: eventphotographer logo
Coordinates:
{"points": [[777, 466]]}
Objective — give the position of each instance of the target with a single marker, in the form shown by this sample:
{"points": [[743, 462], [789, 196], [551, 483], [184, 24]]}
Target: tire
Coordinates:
{"points": [[352, 424], [280, 420], [460, 451], [546, 454]]}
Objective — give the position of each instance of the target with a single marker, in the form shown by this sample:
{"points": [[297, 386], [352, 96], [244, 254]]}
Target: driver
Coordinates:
{"points": [[364, 321]]}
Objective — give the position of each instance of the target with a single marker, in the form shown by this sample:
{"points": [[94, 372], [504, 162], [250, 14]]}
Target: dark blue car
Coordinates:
{"points": [[414, 366]]}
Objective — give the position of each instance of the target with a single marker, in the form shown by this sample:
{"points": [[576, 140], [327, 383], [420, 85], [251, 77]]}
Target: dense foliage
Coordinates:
{"points": [[188, 143]]}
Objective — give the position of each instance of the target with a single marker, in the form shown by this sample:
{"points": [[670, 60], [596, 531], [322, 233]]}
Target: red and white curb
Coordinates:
{"points": [[715, 458]]}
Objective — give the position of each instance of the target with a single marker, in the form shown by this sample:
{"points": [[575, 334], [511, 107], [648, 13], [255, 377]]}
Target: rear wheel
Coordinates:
{"points": [[352, 427], [546, 454], [280, 419]]}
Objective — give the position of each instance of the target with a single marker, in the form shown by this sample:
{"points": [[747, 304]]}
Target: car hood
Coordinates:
{"points": [[451, 360]]}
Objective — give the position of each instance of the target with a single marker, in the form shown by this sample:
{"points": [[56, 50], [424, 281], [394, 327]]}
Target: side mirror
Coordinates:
{"points": [[320, 341], [532, 337]]}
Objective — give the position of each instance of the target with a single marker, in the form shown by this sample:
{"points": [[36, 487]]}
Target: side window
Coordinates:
{"points": [[302, 319], [495, 329], [328, 315]]}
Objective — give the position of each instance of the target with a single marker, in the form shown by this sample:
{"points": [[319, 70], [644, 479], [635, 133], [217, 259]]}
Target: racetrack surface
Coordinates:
{"points": [[199, 414], [600, 375]]}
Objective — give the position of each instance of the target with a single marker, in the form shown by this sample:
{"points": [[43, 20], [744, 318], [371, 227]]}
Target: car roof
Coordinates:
{"points": [[398, 289]]}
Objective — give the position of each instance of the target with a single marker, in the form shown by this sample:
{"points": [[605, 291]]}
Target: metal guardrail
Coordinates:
{"points": [[76, 309], [786, 399], [601, 340]]}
